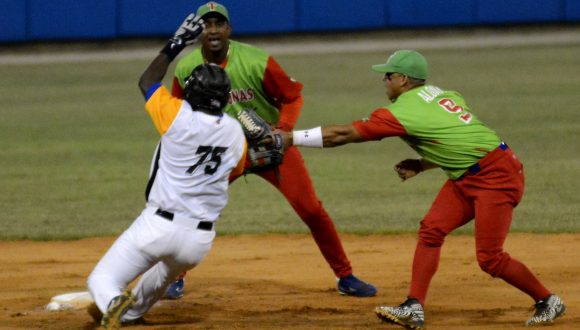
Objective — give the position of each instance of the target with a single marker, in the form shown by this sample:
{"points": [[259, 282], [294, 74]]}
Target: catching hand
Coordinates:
{"points": [[265, 149], [285, 137], [408, 168]]}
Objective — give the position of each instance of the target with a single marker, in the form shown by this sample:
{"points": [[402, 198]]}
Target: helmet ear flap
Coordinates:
{"points": [[207, 87]]}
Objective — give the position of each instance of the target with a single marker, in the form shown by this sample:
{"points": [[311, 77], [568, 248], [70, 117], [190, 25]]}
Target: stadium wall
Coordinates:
{"points": [[57, 20]]}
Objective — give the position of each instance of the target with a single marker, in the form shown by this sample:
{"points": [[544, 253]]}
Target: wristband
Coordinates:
{"points": [[172, 49], [308, 138]]}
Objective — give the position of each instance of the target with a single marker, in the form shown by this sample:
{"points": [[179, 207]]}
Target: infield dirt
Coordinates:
{"points": [[282, 282]]}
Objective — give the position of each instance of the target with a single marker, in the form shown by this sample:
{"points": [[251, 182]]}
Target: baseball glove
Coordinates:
{"points": [[265, 149]]}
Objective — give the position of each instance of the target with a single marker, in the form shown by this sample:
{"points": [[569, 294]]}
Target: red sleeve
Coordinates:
{"points": [[176, 89], [285, 94], [380, 125]]}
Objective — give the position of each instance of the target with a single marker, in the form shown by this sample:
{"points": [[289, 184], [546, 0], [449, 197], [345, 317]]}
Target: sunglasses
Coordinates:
{"points": [[388, 75]]}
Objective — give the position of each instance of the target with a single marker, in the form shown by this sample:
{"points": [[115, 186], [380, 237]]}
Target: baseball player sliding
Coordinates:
{"points": [[259, 83], [200, 148], [486, 181]]}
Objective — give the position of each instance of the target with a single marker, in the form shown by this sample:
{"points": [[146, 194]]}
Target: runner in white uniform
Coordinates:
{"points": [[200, 147]]}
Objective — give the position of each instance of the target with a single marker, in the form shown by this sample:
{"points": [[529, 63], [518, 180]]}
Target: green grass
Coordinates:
{"points": [[76, 144]]}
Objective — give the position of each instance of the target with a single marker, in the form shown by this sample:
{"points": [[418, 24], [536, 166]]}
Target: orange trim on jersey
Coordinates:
{"points": [[239, 169], [163, 108]]}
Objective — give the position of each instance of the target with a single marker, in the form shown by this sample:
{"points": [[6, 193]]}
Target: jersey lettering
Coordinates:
{"points": [[216, 159], [241, 95], [465, 117], [450, 106], [429, 93]]}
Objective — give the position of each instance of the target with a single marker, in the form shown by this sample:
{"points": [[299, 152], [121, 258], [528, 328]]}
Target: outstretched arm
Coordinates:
{"points": [[336, 135], [319, 137]]}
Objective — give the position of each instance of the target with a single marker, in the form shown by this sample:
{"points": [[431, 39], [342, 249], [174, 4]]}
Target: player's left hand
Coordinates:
{"points": [[285, 137], [189, 31], [265, 149], [408, 168]]}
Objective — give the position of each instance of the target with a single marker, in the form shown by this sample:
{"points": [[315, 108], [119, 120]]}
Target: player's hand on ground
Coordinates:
{"points": [[189, 31], [408, 168]]}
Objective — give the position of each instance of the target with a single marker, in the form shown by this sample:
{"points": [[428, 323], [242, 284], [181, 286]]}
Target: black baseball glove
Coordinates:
{"points": [[265, 150]]}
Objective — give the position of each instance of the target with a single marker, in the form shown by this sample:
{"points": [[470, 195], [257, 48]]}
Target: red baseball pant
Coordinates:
{"points": [[294, 182], [489, 196]]}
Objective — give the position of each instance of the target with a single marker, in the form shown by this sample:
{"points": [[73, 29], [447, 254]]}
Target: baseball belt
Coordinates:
{"points": [[202, 225], [475, 168]]}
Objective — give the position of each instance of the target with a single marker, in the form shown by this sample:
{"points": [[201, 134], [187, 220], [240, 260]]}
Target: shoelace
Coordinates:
{"points": [[543, 310], [249, 124], [540, 305], [407, 310]]}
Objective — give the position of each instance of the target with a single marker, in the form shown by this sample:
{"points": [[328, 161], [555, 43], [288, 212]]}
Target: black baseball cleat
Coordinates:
{"points": [[408, 314], [547, 310]]}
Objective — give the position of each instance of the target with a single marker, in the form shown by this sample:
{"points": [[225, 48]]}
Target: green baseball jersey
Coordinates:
{"points": [[246, 67], [438, 124]]}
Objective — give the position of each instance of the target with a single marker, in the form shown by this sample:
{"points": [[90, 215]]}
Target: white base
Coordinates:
{"points": [[70, 301]]}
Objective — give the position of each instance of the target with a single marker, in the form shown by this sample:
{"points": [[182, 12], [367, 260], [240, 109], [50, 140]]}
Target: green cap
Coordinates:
{"points": [[407, 62], [213, 7]]}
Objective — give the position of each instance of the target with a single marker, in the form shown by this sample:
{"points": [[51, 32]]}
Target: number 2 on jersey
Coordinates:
{"points": [[205, 151], [450, 106]]}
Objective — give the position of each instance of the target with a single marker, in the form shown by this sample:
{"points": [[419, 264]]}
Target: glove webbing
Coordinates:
{"points": [[254, 130]]}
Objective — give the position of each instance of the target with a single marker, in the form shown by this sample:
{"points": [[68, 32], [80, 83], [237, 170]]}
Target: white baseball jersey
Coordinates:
{"points": [[187, 188], [197, 152]]}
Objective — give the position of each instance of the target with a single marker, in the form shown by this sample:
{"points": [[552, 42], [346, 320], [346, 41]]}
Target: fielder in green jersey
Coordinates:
{"points": [[248, 65], [486, 181], [440, 128], [259, 83]]}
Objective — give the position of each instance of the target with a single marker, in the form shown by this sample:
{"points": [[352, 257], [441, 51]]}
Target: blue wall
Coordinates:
{"points": [[69, 19], [521, 11], [433, 12], [13, 20], [34, 20]]}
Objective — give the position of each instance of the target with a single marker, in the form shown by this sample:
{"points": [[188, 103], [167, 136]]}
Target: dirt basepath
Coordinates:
{"points": [[282, 282]]}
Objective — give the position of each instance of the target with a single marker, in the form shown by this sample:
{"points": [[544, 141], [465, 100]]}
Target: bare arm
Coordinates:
{"points": [[337, 135], [154, 72]]}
